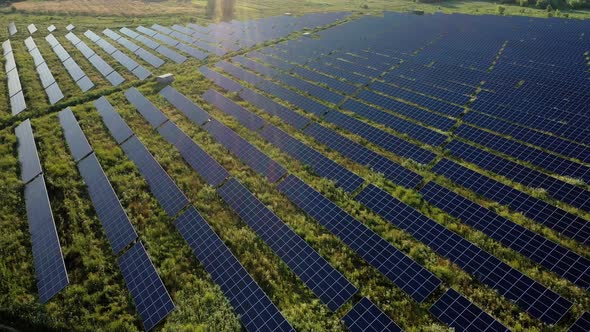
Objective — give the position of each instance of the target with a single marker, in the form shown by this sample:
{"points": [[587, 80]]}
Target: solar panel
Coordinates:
{"points": [[74, 136], [102, 66], [106, 46], [32, 28], [549, 254], [86, 51], [51, 40], [366, 316], [145, 30], [141, 73], [112, 34], [153, 60], [115, 78], [380, 137], [320, 164], [85, 84], [70, 27], [54, 93], [37, 57], [170, 54], [326, 282], [185, 105], [270, 106], [147, 42], [113, 218], [116, 125], [221, 80], [10, 63], [161, 185], [30, 165], [148, 110], [582, 324], [245, 151], [195, 53], [73, 38], [245, 117], [459, 313], [73, 69], [151, 298], [61, 53], [45, 75], [51, 28], [92, 36], [208, 168], [30, 44], [546, 214], [410, 276], [17, 103], [50, 269], [536, 299], [13, 82], [6, 46], [12, 28], [363, 155], [255, 309]]}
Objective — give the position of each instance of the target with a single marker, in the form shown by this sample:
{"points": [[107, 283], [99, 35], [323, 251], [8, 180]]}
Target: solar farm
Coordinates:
{"points": [[321, 172]]}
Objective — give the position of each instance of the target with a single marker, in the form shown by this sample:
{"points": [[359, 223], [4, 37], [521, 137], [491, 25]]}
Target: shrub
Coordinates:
{"points": [[542, 3], [524, 3], [500, 10]]}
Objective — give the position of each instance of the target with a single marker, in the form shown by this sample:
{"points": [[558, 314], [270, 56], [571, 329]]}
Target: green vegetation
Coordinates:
{"points": [[97, 298]]}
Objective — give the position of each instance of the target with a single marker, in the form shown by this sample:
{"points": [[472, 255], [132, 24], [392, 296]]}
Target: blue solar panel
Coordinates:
{"points": [[533, 297], [149, 111], [74, 136], [363, 155], [413, 130], [582, 324], [209, 169], [459, 313], [319, 163], [185, 105], [151, 298], [220, 80], [118, 128], [170, 54], [552, 256], [113, 218], [381, 138], [395, 265], [50, 268], [245, 117], [161, 185], [366, 316], [326, 282], [30, 166], [546, 214], [239, 73], [272, 107], [256, 310], [245, 151]]}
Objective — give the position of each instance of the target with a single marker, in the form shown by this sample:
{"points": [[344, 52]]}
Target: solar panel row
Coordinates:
{"points": [[548, 215], [255, 308], [151, 298], [327, 283], [15, 90], [149, 111], [549, 254], [457, 312], [226, 105], [365, 316], [410, 276], [163, 50], [138, 70], [96, 60], [539, 301], [49, 264], [146, 56]]}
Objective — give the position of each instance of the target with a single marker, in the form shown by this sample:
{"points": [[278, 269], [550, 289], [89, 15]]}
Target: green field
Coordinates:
{"points": [[97, 298]]}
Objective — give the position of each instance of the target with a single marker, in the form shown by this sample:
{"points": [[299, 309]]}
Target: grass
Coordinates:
{"points": [[97, 298]]}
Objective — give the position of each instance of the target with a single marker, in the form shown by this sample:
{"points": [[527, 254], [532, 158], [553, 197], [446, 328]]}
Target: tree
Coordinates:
{"points": [[211, 5], [227, 9]]}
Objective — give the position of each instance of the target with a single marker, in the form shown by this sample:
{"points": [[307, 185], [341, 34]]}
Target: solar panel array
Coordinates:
{"points": [[146, 56], [47, 80], [15, 90], [256, 310], [151, 298], [163, 50], [539, 301], [365, 316], [50, 269], [96, 60], [582, 324], [147, 289], [326, 282], [76, 73], [138, 70], [457, 312]]}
